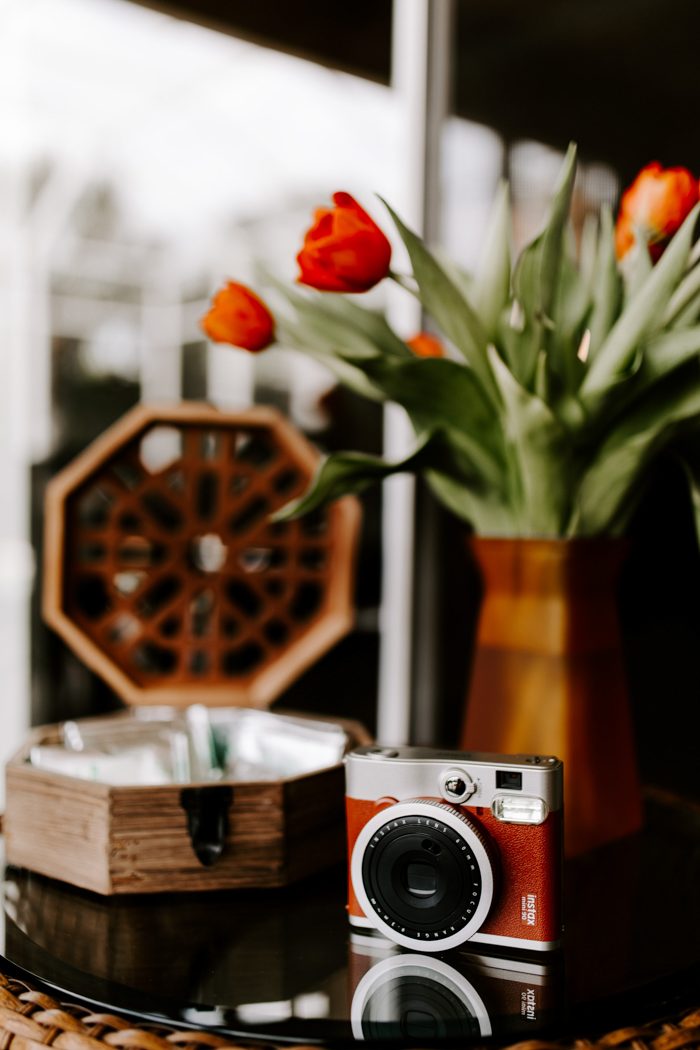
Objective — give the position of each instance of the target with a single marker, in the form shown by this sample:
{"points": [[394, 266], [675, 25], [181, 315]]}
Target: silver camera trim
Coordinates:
{"points": [[456, 823], [437, 970], [411, 772]]}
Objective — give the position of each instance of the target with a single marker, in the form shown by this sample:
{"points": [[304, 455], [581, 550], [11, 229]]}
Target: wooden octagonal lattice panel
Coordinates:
{"points": [[164, 572]]}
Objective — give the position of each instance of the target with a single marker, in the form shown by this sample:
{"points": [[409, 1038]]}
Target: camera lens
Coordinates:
{"points": [[424, 874], [417, 888], [421, 879]]}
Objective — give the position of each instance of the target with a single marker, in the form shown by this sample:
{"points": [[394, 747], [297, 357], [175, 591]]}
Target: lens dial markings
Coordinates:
{"points": [[422, 878]]}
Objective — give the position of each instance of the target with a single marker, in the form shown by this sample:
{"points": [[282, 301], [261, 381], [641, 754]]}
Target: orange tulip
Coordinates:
{"points": [[238, 316], [656, 204], [426, 345], [344, 250]]}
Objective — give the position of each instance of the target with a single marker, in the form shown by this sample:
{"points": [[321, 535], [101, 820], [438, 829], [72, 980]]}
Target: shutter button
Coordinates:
{"points": [[382, 752], [456, 785]]}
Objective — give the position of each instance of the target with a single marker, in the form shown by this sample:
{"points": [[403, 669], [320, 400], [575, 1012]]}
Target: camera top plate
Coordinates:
{"points": [[407, 772]]}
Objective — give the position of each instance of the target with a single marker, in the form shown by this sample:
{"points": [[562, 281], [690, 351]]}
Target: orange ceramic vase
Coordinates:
{"points": [[548, 676]]}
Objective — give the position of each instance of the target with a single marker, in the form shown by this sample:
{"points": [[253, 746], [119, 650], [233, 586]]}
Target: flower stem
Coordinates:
{"points": [[404, 281]]}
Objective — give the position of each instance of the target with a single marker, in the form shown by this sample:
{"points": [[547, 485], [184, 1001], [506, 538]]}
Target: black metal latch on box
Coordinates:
{"points": [[207, 820]]}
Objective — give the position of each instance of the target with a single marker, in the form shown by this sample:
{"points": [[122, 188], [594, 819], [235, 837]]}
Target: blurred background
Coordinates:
{"points": [[151, 150]]}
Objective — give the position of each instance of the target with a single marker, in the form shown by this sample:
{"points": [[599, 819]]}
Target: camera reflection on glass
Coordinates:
{"points": [[397, 994]]}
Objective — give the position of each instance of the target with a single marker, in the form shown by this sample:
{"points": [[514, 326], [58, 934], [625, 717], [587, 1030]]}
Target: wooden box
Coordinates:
{"points": [[174, 837], [166, 575]]}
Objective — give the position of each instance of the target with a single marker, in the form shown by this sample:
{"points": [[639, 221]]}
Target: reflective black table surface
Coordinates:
{"points": [[283, 965]]}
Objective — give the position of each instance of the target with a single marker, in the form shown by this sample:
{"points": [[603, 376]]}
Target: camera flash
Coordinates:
{"points": [[518, 810]]}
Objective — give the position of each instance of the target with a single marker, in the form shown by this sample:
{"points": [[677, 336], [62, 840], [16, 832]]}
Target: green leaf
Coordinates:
{"points": [[539, 451], [537, 275], [461, 279], [446, 304], [522, 350], [439, 391], [309, 342], [640, 318], [542, 385], [431, 390], [588, 250], [564, 368], [526, 281], [689, 315], [345, 327], [512, 342], [636, 266], [666, 352], [607, 287], [336, 312], [353, 472], [605, 497], [575, 290], [685, 301], [491, 291], [553, 236], [691, 467], [488, 514], [343, 473], [372, 324]]}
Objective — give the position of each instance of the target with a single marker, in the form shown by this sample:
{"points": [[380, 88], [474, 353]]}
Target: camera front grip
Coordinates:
{"points": [[530, 867]]}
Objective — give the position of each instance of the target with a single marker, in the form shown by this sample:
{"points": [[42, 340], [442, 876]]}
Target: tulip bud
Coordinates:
{"points": [[238, 316], [344, 250], [655, 204], [426, 345]]}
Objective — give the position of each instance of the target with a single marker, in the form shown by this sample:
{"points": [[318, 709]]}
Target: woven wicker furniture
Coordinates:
{"points": [[30, 1019]]}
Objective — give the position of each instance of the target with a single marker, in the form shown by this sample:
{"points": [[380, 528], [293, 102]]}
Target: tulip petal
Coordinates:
{"points": [[344, 250]]}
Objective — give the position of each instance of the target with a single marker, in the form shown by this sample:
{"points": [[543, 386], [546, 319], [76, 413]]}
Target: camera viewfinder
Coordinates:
{"points": [[509, 779]]}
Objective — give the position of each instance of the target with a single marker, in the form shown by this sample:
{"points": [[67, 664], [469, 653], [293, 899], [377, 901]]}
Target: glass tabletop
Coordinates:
{"points": [[284, 965]]}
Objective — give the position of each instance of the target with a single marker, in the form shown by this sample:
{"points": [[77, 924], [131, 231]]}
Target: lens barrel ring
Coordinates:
{"points": [[452, 809], [389, 845]]}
